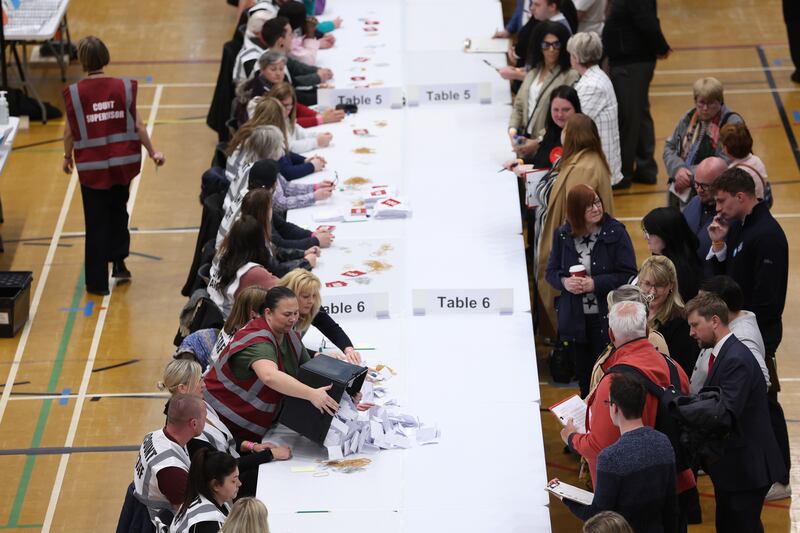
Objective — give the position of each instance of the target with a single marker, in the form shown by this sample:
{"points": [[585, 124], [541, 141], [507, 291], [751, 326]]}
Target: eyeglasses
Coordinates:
{"points": [[608, 402], [597, 204], [646, 286], [702, 187], [646, 234], [555, 45], [703, 103]]}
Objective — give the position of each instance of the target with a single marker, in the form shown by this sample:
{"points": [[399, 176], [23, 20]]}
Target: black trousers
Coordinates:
{"points": [[637, 136], [585, 353], [791, 15], [105, 214], [740, 511]]}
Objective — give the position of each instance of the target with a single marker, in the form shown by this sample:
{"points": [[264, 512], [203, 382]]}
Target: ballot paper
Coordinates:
{"points": [[392, 207], [381, 427], [685, 196], [572, 407], [570, 492]]}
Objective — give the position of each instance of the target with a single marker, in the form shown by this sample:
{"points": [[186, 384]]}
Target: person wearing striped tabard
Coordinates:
{"points": [[213, 484]]}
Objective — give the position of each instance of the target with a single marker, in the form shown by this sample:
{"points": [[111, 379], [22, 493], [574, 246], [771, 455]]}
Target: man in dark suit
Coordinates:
{"points": [[751, 461]]}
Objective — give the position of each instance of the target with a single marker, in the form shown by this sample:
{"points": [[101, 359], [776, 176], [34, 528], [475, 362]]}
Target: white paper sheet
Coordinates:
{"points": [[574, 408]]}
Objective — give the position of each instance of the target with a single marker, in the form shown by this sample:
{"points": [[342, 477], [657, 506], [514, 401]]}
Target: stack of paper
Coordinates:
{"points": [[391, 207], [376, 194], [381, 427], [328, 215]]}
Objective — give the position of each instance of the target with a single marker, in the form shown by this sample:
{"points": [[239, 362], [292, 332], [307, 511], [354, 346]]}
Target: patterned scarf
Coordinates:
{"points": [[701, 139]]}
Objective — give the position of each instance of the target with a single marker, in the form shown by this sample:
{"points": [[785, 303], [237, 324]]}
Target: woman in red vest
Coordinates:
{"points": [[259, 367], [106, 134]]}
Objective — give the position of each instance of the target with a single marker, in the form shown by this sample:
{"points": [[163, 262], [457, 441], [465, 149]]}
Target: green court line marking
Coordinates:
{"points": [[44, 413], [21, 526]]}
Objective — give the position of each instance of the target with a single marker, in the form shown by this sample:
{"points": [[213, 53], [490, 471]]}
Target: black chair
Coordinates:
{"points": [[209, 225], [224, 92]]}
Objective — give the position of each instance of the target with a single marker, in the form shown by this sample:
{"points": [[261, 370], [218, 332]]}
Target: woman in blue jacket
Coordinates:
{"points": [[601, 245]]}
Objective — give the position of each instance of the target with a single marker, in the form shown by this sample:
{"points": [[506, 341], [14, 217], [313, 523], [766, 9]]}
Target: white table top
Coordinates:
{"points": [[35, 20], [472, 375]]}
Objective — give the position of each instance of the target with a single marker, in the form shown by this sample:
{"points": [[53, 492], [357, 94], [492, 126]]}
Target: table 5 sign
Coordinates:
{"points": [[458, 301], [364, 98], [369, 305], [449, 93]]}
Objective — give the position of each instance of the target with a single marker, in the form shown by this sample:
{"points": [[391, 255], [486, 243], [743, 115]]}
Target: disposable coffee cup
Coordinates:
{"points": [[577, 271]]}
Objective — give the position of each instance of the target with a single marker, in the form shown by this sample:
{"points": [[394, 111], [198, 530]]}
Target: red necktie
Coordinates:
{"points": [[711, 362]]}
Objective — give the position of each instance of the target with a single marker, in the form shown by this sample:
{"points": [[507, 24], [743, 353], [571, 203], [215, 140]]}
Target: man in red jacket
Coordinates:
{"points": [[627, 329]]}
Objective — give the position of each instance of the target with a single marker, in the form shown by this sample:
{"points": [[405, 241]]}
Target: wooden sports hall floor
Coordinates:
{"points": [[65, 380]]}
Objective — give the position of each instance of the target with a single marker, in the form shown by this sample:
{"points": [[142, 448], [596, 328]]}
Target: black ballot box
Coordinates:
{"points": [[301, 415]]}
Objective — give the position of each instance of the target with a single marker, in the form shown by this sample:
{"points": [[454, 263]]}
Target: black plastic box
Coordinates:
{"points": [[301, 415], [15, 301]]}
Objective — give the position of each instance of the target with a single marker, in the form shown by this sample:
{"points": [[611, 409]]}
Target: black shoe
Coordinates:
{"points": [[625, 183], [98, 292], [120, 271], [645, 180], [795, 77]]}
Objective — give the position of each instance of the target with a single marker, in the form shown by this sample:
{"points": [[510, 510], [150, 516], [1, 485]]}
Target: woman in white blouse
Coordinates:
{"points": [[598, 100], [549, 68]]}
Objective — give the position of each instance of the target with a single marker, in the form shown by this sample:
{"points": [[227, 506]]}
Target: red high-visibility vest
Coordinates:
{"points": [[247, 407], [101, 113]]}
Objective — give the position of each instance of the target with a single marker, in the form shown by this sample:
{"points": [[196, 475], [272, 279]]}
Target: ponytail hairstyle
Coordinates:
{"points": [[207, 466], [179, 372], [274, 296], [244, 243], [247, 301], [258, 204]]}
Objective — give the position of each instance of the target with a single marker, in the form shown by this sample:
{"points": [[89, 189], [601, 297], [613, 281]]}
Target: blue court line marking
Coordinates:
{"points": [[64, 401], [796, 116], [776, 97], [88, 309]]}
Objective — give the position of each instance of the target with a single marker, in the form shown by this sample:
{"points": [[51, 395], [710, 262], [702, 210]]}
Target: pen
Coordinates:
{"points": [[336, 179], [512, 167], [307, 512], [494, 67]]}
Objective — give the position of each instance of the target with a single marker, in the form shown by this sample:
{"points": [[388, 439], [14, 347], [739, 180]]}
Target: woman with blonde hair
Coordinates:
{"points": [[248, 515], [658, 280], [307, 286], [582, 162], [185, 377], [300, 140]]}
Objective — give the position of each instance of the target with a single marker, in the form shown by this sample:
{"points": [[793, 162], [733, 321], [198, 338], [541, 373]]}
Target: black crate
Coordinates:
{"points": [[301, 415], [15, 301]]}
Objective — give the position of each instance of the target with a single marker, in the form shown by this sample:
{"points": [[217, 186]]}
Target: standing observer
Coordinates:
{"points": [[106, 134]]}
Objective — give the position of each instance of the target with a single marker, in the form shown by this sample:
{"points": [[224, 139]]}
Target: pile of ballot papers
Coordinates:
{"points": [[392, 207], [380, 427]]}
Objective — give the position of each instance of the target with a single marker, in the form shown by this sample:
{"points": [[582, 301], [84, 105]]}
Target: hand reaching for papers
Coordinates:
{"points": [[351, 356], [320, 399], [279, 453]]}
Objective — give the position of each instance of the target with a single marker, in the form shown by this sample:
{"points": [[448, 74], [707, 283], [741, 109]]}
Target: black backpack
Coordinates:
{"points": [[666, 423]]}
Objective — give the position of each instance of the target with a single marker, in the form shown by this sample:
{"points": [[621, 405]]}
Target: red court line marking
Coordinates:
{"points": [[732, 46], [562, 467], [168, 62], [766, 504]]}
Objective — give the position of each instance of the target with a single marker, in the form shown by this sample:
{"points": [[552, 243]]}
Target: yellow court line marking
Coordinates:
{"points": [[669, 72], [731, 91], [98, 331]]}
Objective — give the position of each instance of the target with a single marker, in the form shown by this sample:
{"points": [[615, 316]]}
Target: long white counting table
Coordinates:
{"points": [[473, 375]]}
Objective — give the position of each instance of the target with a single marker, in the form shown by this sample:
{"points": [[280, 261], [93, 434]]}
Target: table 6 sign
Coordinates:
{"points": [[463, 301]]}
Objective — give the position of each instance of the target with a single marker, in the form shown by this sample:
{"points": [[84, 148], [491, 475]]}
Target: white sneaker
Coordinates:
{"points": [[779, 491]]}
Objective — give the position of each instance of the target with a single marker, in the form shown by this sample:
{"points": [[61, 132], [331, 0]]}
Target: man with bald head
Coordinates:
{"points": [[700, 210]]}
